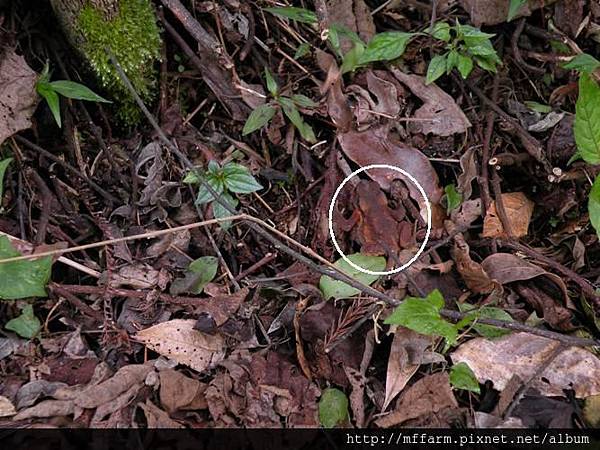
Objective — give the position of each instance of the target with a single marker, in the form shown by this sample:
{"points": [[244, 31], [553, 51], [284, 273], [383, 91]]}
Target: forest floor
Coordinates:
{"points": [[188, 275]]}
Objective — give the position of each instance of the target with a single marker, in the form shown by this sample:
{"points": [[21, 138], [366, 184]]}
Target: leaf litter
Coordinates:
{"points": [[213, 326]]}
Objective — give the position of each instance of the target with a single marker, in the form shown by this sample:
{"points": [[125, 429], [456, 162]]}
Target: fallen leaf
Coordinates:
{"points": [[431, 394], [439, 115], [351, 14], [333, 408], [7, 409], [406, 356], [473, 274], [591, 411], [485, 420], [156, 417], [518, 211], [536, 411], [115, 404], [336, 289], [468, 164], [18, 98], [180, 392], [522, 354], [30, 392], [377, 146], [178, 340], [47, 408], [493, 12], [95, 395]]}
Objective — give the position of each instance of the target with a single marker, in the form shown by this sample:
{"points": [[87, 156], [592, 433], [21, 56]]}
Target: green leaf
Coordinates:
{"points": [[423, 316], [302, 50], [462, 377], [76, 91], [338, 289], [594, 205], [51, 97], [452, 60], [204, 195], [464, 66], [22, 279], [294, 13], [441, 31], [487, 312], [333, 407], [200, 272], [437, 67], [26, 325], [453, 197], [514, 7], [486, 63], [385, 46], [3, 166], [472, 36], [258, 118], [271, 83], [538, 107], [583, 63], [219, 211], [303, 101], [292, 113], [337, 30], [587, 120], [484, 48], [238, 179], [191, 178], [352, 59]]}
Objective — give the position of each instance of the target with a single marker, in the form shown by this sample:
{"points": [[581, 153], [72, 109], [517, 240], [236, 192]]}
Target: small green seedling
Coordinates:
{"points": [[465, 45], [225, 180], [50, 90], [263, 114]]}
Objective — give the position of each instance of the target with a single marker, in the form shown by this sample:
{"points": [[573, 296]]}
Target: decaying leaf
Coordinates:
{"points": [[439, 115], [178, 340], [522, 354], [351, 14], [406, 355], [492, 12], [156, 417], [431, 394], [6, 407], [98, 394], [18, 98], [518, 211], [47, 408], [180, 392]]}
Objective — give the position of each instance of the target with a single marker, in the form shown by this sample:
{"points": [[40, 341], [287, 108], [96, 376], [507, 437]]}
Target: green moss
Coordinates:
{"points": [[133, 37]]}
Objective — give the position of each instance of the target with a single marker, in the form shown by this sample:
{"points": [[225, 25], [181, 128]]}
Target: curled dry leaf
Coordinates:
{"points": [[522, 354], [431, 394], [6, 407], [468, 164], [156, 417], [376, 146], [178, 340], [47, 408], [180, 392], [18, 98], [518, 211], [98, 394], [508, 268], [439, 115], [115, 404], [406, 355]]}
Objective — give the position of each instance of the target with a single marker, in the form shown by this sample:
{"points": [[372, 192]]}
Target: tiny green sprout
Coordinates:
{"points": [[263, 114], [465, 46], [231, 178], [50, 91]]}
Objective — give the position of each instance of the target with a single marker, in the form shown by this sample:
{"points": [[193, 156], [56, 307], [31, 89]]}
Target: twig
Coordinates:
{"points": [[257, 265], [517, 53], [485, 150], [500, 209], [45, 204]]}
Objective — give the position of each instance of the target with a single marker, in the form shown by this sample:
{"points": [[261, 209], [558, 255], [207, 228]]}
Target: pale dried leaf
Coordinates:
{"points": [[473, 274], [116, 404], [106, 391], [177, 339], [47, 408], [439, 115], [18, 98], [6, 407], [180, 392], [156, 417], [405, 358], [485, 420], [522, 354], [518, 211], [468, 164], [493, 12]]}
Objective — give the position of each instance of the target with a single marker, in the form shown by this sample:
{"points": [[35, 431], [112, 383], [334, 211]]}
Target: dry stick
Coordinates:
{"points": [[69, 168], [500, 209], [330, 270], [514, 42], [485, 150]]}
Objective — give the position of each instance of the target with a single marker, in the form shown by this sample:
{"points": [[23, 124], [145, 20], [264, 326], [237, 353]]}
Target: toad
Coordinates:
{"points": [[380, 230]]}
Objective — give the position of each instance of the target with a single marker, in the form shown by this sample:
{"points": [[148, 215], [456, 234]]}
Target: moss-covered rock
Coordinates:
{"points": [[129, 29]]}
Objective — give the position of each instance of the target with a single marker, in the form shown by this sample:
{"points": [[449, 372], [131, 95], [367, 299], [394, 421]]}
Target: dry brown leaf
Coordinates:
{"points": [[352, 14], [522, 354], [180, 392], [439, 115], [518, 211], [126, 377], [430, 395], [47, 408], [18, 98], [116, 404], [405, 358], [178, 340], [156, 417], [508, 268], [473, 274], [468, 164], [493, 12], [6, 407], [376, 146]]}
